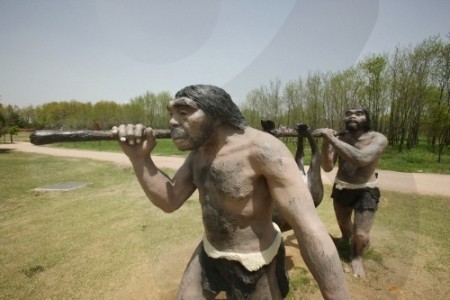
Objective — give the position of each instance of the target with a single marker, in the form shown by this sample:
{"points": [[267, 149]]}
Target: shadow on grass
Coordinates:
{"points": [[5, 151], [33, 271]]}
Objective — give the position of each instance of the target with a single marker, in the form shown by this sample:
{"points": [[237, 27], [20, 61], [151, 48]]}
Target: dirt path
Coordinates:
{"points": [[421, 183]]}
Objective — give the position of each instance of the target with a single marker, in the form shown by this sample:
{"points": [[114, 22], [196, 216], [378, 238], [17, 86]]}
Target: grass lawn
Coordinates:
{"points": [[106, 241], [86, 243]]}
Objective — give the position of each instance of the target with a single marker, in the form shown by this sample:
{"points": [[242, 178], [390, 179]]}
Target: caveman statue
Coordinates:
{"points": [[355, 191], [241, 174]]}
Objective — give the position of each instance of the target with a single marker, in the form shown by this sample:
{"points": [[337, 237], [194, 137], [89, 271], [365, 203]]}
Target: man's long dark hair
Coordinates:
{"points": [[215, 102]]}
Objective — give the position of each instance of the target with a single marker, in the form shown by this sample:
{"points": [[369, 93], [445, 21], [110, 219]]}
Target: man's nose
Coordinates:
{"points": [[173, 121]]}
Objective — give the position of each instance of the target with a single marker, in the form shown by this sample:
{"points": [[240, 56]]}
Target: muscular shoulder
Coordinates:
{"points": [[263, 143], [378, 138], [267, 151]]}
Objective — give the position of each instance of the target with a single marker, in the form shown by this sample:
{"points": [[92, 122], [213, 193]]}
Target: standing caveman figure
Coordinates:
{"points": [[240, 174], [356, 187]]}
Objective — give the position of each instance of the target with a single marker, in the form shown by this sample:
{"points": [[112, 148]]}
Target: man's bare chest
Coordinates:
{"points": [[359, 143], [231, 178]]}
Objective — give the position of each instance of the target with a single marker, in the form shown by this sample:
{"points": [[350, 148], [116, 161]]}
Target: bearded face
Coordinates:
{"points": [[355, 120], [192, 137], [190, 126]]}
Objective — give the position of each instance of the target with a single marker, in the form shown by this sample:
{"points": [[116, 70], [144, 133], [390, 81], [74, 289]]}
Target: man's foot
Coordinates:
{"points": [[346, 268], [358, 269]]}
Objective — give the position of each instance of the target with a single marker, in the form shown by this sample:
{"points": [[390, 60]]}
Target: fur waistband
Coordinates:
{"points": [[251, 261], [340, 185]]}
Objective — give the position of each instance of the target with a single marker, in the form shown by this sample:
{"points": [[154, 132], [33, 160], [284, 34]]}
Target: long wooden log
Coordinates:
{"points": [[43, 137]]}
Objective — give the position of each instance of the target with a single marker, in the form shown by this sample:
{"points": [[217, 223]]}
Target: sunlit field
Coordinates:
{"points": [[106, 241]]}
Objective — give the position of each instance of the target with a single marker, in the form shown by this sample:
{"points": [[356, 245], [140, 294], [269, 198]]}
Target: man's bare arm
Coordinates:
{"points": [[137, 142], [328, 153], [364, 156], [292, 198], [359, 157], [329, 156], [166, 193]]}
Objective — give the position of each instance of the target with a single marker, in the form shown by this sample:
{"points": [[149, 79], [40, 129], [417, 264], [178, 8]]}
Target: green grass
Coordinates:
{"points": [[417, 160], [106, 240], [409, 239], [301, 284], [81, 244]]}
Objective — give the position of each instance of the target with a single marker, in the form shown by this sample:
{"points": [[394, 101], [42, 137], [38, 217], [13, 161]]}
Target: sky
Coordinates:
{"points": [[116, 50]]}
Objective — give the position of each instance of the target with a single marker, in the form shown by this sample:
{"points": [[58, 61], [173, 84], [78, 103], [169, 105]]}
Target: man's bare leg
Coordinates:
{"points": [[360, 240], [343, 217], [191, 283], [267, 285], [344, 220], [314, 176]]}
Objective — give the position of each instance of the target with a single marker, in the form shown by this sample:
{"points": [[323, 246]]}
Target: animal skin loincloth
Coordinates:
{"points": [[251, 261], [340, 185], [361, 199], [223, 274]]}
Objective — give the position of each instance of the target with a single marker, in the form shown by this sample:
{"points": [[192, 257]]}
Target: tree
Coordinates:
{"points": [[314, 95], [375, 101], [250, 108], [2, 121], [107, 114], [410, 87], [294, 102], [438, 120], [267, 101], [341, 91], [13, 130]]}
